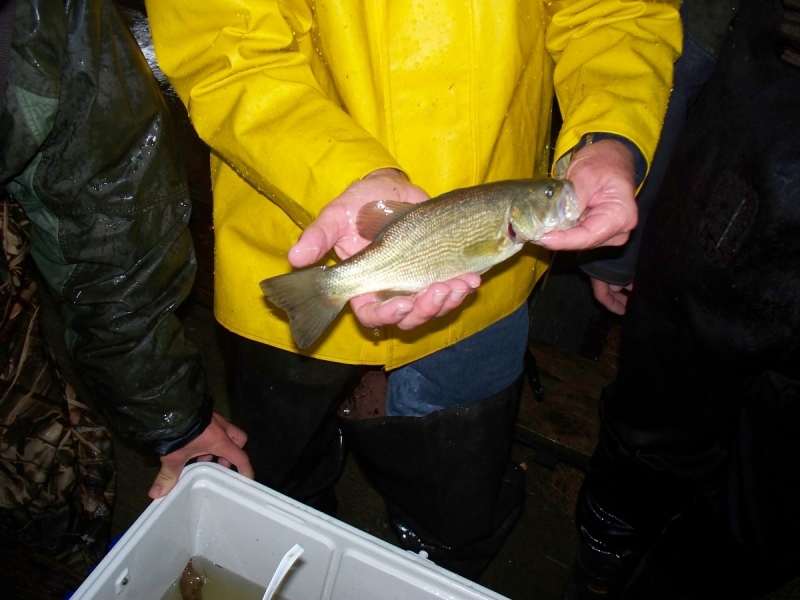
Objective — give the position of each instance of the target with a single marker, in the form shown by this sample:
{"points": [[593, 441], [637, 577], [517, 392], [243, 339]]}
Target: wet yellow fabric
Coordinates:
{"points": [[298, 99]]}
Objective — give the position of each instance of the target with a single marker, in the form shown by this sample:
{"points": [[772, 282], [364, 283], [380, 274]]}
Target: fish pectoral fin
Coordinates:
{"points": [[374, 217], [483, 248]]}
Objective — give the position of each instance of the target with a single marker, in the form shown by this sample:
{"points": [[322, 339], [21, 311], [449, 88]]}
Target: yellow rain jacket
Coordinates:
{"points": [[300, 98]]}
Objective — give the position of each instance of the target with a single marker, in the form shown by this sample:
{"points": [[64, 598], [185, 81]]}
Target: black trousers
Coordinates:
{"points": [[447, 478], [699, 434], [287, 404]]}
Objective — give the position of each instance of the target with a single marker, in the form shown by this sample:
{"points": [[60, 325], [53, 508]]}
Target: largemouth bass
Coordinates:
{"points": [[467, 230]]}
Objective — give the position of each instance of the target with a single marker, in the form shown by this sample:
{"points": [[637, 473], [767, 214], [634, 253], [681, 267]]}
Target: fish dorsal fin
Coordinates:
{"points": [[374, 217]]}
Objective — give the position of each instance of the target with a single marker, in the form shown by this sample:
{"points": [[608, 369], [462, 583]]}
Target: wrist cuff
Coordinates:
{"points": [[166, 445], [639, 160]]}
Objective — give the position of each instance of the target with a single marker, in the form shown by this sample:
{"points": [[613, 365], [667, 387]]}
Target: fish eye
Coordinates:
{"points": [[549, 191]]}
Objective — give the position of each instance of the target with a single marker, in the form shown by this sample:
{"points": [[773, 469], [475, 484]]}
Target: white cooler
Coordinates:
{"points": [[247, 529]]}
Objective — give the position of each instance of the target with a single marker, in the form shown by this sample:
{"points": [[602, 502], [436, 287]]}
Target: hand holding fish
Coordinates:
{"points": [[604, 176], [426, 252], [336, 228]]}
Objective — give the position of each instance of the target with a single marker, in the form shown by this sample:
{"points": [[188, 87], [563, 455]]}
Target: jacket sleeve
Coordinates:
{"points": [[614, 67], [246, 78], [96, 168]]}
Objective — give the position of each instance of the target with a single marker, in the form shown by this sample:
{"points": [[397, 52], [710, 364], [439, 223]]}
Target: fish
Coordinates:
{"points": [[467, 230], [191, 583]]}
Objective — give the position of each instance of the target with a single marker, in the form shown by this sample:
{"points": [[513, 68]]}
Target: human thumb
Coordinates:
{"points": [[165, 480], [311, 247]]}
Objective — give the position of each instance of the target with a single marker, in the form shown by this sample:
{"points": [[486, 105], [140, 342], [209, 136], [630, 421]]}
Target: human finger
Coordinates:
{"points": [[611, 297], [601, 227], [166, 479], [439, 300], [312, 245], [220, 439], [372, 312], [428, 304], [409, 312], [237, 457]]}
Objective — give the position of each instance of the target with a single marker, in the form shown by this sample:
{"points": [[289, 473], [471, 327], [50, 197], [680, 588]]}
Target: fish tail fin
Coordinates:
{"points": [[300, 295]]}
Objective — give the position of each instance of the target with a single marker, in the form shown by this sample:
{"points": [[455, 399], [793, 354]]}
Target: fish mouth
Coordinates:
{"points": [[541, 228], [513, 236]]}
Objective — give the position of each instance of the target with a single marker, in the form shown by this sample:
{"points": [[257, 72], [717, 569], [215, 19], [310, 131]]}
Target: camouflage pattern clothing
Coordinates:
{"points": [[56, 463]]}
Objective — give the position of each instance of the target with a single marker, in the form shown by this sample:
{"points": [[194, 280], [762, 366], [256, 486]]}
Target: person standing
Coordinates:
{"points": [[313, 109], [86, 149], [696, 466]]}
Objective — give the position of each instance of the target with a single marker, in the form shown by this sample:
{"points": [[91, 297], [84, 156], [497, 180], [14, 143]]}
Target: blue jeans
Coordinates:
{"points": [[474, 368]]}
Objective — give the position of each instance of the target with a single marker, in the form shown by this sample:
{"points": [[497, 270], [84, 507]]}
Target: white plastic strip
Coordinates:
{"points": [[283, 568]]}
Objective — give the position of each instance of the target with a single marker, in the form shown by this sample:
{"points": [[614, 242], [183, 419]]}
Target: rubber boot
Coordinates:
{"points": [[596, 577], [450, 489]]}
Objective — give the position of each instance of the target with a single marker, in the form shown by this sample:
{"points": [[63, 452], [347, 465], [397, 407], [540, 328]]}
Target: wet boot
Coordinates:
{"points": [[450, 489], [596, 577]]}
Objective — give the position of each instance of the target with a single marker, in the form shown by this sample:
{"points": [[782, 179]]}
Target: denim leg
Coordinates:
{"points": [[470, 370]]}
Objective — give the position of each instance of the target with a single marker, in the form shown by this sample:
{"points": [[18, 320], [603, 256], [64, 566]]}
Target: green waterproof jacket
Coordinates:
{"points": [[86, 148]]}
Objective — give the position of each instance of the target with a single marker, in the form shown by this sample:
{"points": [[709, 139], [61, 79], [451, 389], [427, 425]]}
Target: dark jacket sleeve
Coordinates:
{"points": [[88, 151]]}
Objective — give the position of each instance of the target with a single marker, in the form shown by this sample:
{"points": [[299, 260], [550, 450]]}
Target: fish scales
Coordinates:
{"points": [[464, 231], [431, 242]]}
